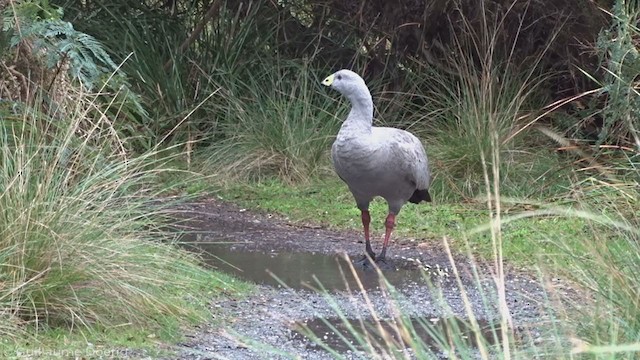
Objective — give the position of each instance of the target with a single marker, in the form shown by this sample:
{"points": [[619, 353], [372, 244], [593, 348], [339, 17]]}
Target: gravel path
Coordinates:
{"points": [[270, 316]]}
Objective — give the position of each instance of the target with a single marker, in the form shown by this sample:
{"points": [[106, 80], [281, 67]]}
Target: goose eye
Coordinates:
{"points": [[339, 77]]}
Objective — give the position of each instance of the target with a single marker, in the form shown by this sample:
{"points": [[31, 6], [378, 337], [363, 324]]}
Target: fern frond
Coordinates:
{"points": [[59, 41]]}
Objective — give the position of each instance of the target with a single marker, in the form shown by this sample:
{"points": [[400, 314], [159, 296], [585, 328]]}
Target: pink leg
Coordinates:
{"points": [[366, 220], [389, 224]]}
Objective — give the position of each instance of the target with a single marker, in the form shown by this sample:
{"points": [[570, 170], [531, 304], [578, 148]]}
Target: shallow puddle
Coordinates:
{"points": [[428, 334], [299, 270]]}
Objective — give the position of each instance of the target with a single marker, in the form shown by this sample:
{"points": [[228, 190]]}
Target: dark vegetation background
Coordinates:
{"points": [[181, 51], [197, 72]]}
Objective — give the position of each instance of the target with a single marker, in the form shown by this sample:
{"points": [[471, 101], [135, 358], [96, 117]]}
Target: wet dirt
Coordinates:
{"points": [[266, 324], [394, 334]]}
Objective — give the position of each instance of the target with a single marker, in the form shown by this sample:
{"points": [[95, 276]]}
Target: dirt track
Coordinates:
{"points": [[268, 316]]}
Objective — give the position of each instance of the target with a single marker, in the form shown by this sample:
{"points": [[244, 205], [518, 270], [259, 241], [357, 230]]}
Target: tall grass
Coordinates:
{"points": [[175, 77], [79, 229], [484, 93], [472, 109], [275, 122], [144, 44], [607, 267], [608, 264]]}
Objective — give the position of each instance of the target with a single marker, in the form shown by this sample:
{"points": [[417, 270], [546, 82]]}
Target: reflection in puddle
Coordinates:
{"points": [[426, 333], [297, 270]]}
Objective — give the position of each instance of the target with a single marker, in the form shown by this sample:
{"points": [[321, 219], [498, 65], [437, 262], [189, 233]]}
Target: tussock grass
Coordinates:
{"points": [[484, 94], [277, 123], [80, 230], [607, 266]]}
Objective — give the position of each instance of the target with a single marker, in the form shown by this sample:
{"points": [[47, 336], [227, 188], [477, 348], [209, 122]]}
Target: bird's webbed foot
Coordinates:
{"points": [[381, 259], [366, 261]]}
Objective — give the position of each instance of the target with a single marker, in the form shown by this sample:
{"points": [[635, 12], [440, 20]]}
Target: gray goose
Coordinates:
{"points": [[376, 161]]}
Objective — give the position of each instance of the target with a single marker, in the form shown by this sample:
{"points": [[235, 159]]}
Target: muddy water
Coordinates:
{"points": [[389, 335], [302, 270]]}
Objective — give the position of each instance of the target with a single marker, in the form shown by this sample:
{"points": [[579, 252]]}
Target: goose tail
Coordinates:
{"points": [[420, 195]]}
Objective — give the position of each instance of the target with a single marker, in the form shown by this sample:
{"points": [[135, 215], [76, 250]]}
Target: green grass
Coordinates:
{"points": [[607, 264], [121, 340], [466, 113]]}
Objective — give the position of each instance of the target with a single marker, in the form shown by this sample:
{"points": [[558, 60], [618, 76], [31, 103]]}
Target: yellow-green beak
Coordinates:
{"points": [[328, 81]]}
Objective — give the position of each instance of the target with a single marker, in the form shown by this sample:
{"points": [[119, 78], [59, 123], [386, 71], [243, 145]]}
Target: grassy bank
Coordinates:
{"points": [[85, 262]]}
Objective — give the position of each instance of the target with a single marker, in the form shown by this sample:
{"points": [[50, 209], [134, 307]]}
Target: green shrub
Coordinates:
{"points": [[618, 49]]}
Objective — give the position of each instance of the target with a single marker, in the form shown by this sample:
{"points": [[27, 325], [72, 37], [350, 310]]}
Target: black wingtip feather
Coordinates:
{"points": [[420, 195]]}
